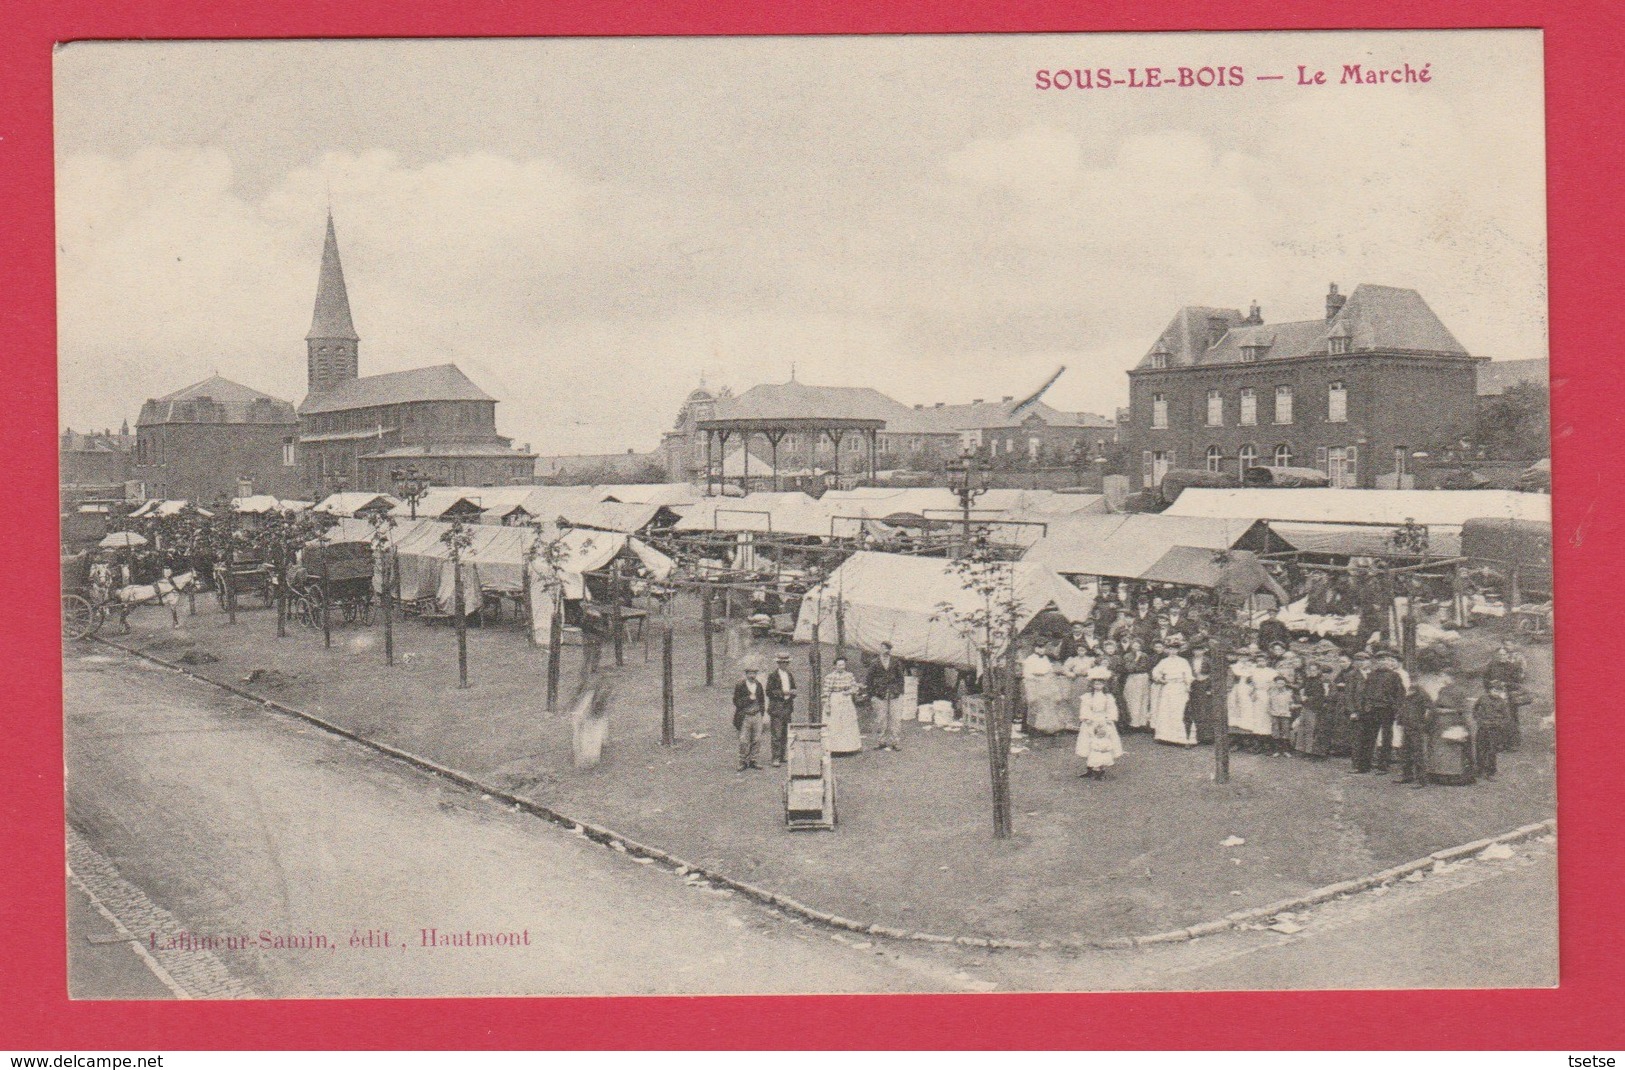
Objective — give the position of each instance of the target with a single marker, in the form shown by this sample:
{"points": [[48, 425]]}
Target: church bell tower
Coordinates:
{"points": [[332, 345]]}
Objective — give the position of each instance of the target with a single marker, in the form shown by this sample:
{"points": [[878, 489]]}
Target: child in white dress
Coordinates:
{"points": [[1098, 742]]}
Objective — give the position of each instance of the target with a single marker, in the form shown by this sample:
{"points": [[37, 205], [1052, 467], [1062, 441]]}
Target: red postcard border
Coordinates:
{"points": [[1584, 50]]}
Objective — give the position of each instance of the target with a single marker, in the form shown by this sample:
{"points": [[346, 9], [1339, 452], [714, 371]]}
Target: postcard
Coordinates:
{"points": [[798, 515]]}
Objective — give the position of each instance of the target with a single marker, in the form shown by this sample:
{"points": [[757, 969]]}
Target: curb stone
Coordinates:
{"points": [[617, 841]]}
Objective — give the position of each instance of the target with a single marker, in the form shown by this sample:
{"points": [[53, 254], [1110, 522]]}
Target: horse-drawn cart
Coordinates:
{"points": [[82, 613], [337, 574]]}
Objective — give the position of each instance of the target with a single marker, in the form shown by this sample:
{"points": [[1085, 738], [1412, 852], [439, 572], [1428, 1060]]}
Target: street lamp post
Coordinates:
{"points": [[411, 485], [967, 487]]}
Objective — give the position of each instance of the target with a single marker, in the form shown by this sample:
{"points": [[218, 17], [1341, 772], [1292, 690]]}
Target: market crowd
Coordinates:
{"points": [[1148, 661]]}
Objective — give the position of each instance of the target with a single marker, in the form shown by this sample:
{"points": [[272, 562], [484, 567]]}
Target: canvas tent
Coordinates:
{"points": [[167, 507], [1238, 571], [494, 560], [260, 504], [899, 599], [355, 503], [628, 517], [779, 512], [667, 494], [1362, 522], [1128, 545], [582, 551]]}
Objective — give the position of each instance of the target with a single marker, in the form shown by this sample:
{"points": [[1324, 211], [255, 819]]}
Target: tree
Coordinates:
{"points": [[383, 563], [459, 542], [991, 623], [1516, 425]]}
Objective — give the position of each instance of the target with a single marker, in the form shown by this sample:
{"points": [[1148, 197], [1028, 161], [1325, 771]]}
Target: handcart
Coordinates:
{"points": [[809, 793]]}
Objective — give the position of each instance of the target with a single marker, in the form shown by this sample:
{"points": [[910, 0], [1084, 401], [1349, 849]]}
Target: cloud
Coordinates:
{"points": [[903, 214]]}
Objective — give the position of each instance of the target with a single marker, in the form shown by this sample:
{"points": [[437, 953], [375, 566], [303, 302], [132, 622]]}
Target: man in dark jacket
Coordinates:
{"points": [[781, 704], [885, 686], [1272, 631], [1380, 701], [750, 708]]}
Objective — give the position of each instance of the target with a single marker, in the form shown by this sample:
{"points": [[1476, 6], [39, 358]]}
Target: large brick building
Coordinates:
{"points": [[1353, 393], [215, 440], [356, 431]]}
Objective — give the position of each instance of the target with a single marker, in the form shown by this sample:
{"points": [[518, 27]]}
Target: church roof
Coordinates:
{"points": [[1374, 319], [216, 401], [441, 382], [332, 318]]}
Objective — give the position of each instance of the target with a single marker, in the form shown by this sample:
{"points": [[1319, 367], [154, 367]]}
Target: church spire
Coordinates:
{"points": [[332, 342]]}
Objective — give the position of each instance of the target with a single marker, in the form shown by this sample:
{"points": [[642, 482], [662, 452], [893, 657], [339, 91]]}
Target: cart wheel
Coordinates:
{"points": [[78, 616]]}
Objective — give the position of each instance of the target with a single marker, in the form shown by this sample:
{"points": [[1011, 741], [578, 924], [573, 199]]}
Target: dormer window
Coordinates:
{"points": [[1159, 356], [1251, 354], [1337, 345]]}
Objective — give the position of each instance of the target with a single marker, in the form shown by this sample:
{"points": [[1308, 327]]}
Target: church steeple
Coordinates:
{"points": [[332, 344]]}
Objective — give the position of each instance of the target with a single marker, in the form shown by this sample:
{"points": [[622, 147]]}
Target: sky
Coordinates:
{"points": [[588, 227]]}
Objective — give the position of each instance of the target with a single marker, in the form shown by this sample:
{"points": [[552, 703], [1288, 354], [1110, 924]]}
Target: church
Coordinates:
{"points": [[356, 432]]}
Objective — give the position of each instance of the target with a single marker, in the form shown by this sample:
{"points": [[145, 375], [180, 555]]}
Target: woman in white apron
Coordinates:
{"points": [[841, 735]]}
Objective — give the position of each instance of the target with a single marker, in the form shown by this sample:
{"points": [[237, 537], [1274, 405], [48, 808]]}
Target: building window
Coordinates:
{"points": [[1215, 458], [1337, 403], [1248, 458], [1401, 463], [1249, 354], [1033, 446], [1215, 408], [1159, 410], [1283, 456], [1337, 346], [287, 451], [1249, 406], [1159, 360], [1283, 404]]}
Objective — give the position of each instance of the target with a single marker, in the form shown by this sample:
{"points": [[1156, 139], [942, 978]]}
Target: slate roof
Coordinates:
{"points": [[216, 401], [332, 316], [441, 382], [1374, 319], [792, 400]]}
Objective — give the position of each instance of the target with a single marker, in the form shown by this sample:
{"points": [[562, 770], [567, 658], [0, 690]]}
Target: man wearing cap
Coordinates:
{"points": [[750, 708], [885, 685], [781, 704], [1380, 702]]}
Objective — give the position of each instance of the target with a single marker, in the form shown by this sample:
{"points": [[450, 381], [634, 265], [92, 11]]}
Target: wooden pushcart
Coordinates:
{"points": [[809, 792]]}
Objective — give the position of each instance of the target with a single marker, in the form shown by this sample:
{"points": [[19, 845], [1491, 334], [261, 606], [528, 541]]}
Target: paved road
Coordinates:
{"points": [[204, 815], [197, 815]]}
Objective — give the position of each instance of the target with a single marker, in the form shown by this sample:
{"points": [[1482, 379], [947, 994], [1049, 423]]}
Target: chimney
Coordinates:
{"points": [[1334, 303], [938, 405], [1007, 397], [976, 401], [1255, 315], [1216, 328], [917, 405]]}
